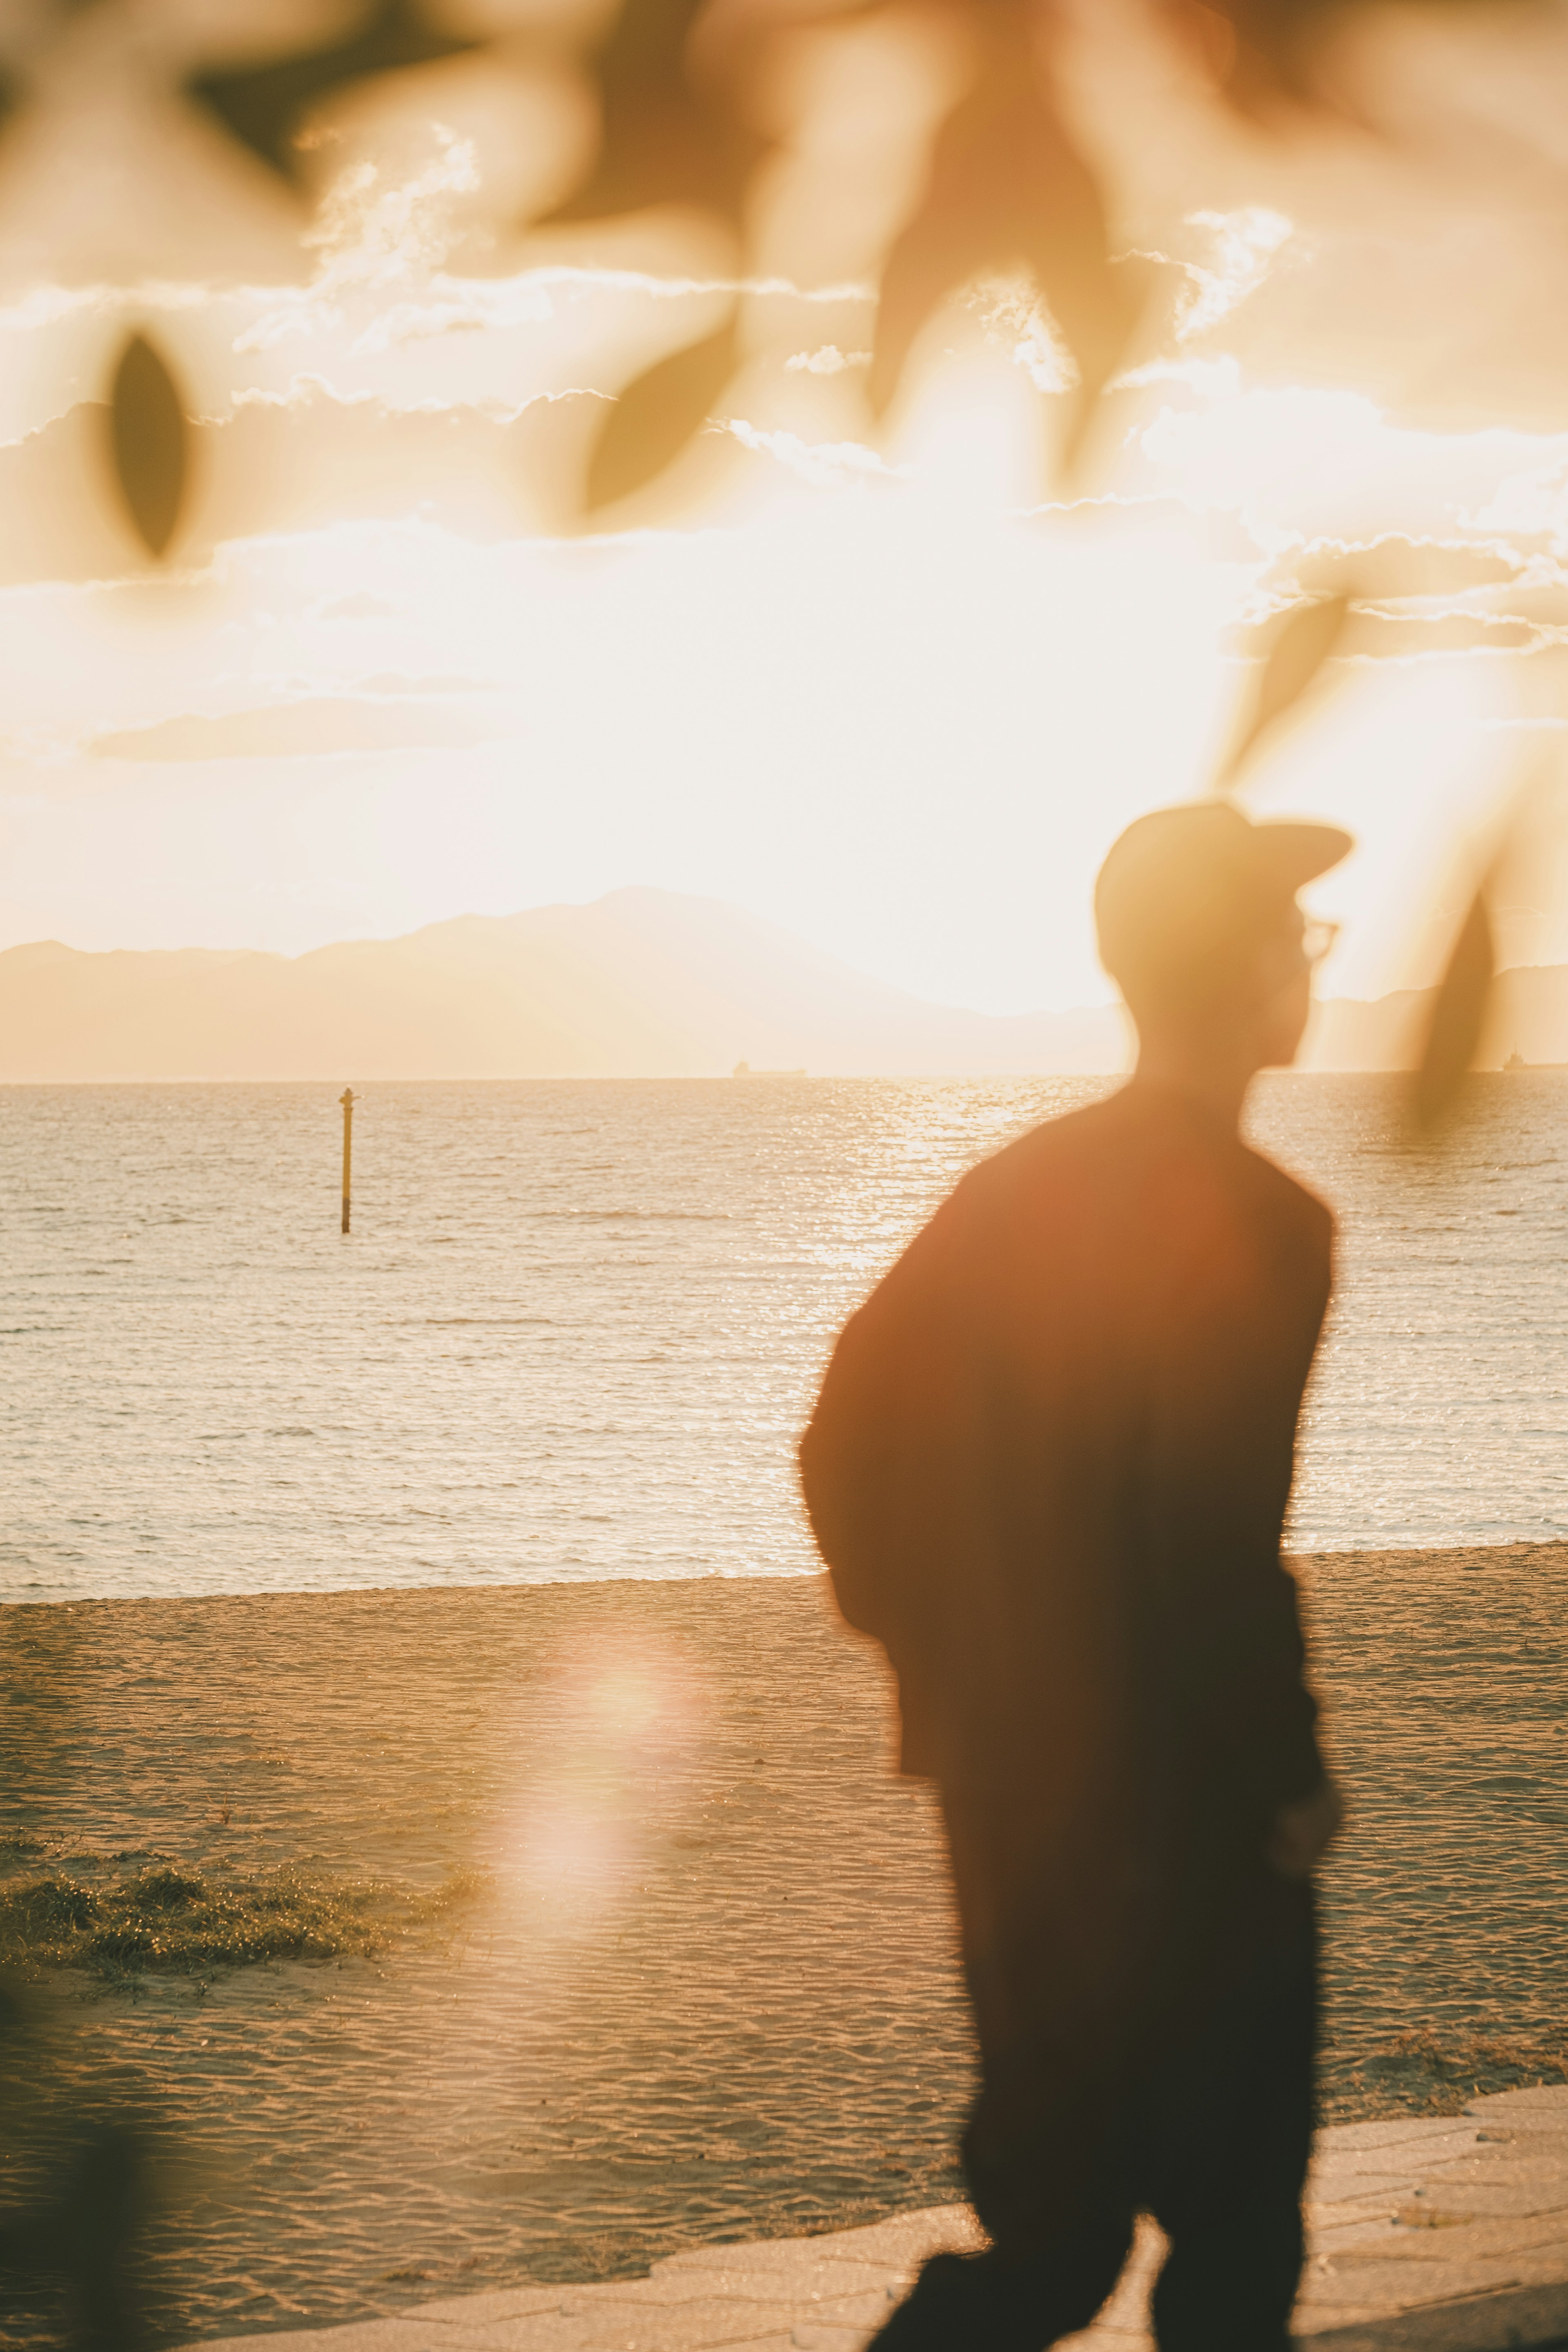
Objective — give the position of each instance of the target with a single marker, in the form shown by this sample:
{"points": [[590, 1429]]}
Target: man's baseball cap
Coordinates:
{"points": [[1184, 892]]}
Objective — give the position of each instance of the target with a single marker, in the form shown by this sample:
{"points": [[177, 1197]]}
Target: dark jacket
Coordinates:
{"points": [[1049, 1470]]}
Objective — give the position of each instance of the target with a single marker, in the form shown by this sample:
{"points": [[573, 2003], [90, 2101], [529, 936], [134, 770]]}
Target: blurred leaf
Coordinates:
{"points": [[1457, 1014], [263, 105], [657, 416], [662, 139], [1302, 646], [1209, 33], [149, 442], [1262, 53], [105, 2229], [1007, 184]]}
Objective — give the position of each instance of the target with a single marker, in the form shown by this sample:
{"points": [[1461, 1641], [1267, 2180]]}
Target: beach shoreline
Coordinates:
{"points": [[702, 1984]]}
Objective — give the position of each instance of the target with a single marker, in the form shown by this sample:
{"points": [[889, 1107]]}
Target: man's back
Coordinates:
{"points": [[1049, 1466]]}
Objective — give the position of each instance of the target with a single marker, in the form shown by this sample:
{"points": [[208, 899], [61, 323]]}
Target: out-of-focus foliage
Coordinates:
{"points": [[1300, 647], [666, 137], [654, 417], [1007, 180], [1459, 1013], [1262, 54], [1008, 183], [149, 444], [667, 134], [264, 105]]}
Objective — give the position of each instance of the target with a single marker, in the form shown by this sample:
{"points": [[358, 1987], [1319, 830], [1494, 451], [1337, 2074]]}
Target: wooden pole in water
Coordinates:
{"points": [[347, 1100]]}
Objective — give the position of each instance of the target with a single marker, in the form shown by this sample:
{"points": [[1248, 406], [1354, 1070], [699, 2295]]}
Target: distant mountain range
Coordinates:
{"points": [[1528, 1016], [642, 984]]}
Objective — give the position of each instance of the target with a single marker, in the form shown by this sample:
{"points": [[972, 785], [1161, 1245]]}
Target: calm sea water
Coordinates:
{"points": [[577, 1326]]}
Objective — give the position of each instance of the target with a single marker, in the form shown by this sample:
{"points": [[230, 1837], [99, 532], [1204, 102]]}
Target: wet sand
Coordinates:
{"points": [[709, 1989]]}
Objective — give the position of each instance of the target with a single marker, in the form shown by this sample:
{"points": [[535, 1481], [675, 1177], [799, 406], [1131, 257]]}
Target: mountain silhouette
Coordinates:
{"points": [[641, 984]]}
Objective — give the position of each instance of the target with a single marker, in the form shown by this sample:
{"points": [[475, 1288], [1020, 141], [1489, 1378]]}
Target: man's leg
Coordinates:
{"points": [[1041, 2155], [997, 2302], [1229, 2137]]}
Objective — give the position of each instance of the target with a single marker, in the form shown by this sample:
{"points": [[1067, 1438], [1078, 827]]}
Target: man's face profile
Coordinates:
{"points": [[1284, 982]]}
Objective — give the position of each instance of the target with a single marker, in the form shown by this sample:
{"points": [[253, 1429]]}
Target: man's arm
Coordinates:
{"points": [[1302, 1832], [1232, 1354], [868, 1456]]}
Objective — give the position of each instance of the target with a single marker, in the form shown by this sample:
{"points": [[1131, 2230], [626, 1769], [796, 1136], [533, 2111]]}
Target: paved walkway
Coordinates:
{"points": [[1447, 2235]]}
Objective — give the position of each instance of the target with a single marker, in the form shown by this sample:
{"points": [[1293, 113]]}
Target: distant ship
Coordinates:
{"points": [[744, 1070], [1516, 1061]]}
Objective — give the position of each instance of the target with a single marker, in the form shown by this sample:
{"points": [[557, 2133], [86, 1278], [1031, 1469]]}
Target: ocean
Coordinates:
{"points": [[577, 1326], [704, 1983]]}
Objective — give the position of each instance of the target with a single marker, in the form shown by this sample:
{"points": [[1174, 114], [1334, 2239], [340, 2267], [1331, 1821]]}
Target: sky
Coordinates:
{"points": [[894, 689]]}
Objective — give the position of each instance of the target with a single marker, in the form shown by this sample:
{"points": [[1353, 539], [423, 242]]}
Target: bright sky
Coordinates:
{"points": [[892, 691]]}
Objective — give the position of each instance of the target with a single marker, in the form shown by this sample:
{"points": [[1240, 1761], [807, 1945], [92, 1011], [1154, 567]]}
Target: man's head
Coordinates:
{"points": [[1199, 925]]}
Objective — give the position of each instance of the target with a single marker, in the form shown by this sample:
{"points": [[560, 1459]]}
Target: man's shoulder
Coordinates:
{"points": [[1142, 1153], [1288, 1203], [1133, 1157], [1068, 1144], [1029, 1185]]}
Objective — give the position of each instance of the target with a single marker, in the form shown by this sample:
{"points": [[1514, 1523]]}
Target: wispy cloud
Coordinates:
{"points": [[827, 360], [466, 305], [383, 241], [312, 729], [1405, 637], [825, 465], [374, 234], [1531, 504], [1245, 245], [361, 606], [1396, 566], [1011, 309]]}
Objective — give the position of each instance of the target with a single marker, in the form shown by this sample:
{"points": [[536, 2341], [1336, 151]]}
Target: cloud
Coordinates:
{"points": [[361, 607], [1397, 636], [1396, 566], [825, 465], [1410, 636], [1010, 309], [1219, 378], [383, 242], [1114, 513], [292, 731], [1530, 504], [391, 681], [827, 360], [1544, 604], [1416, 597], [450, 306], [1244, 245], [373, 234]]}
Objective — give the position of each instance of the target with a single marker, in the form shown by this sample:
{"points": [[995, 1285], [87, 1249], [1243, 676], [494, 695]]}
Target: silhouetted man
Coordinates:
{"points": [[1048, 1471]]}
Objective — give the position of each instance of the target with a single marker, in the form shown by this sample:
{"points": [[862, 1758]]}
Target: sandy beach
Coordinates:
{"points": [[690, 1976]]}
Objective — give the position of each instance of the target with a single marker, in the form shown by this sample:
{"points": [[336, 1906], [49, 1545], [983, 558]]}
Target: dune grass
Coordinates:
{"points": [[1435, 2070], [171, 1918]]}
